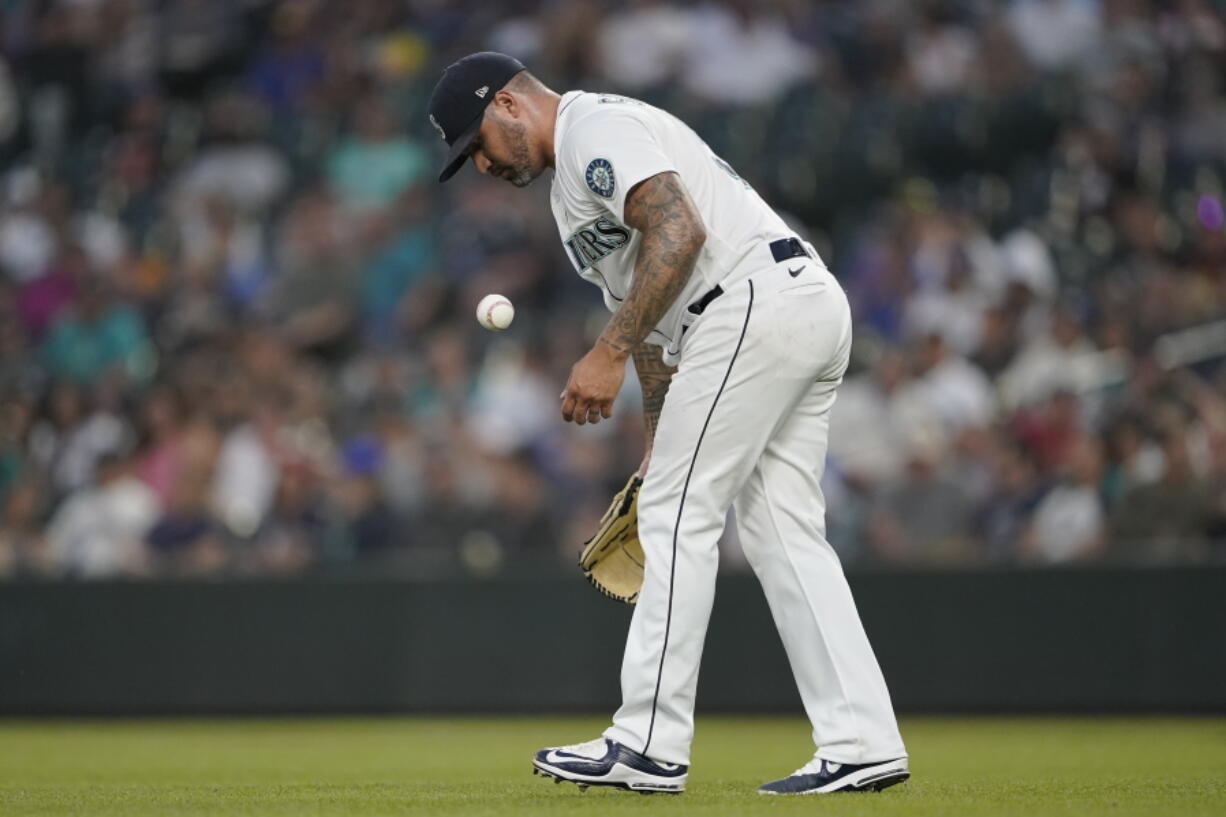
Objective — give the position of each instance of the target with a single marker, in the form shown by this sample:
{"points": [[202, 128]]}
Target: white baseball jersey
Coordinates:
{"points": [[606, 144]]}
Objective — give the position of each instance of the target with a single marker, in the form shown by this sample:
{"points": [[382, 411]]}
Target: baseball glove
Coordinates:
{"points": [[612, 560]]}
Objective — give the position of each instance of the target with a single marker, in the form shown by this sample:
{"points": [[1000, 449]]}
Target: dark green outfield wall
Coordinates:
{"points": [[1021, 641]]}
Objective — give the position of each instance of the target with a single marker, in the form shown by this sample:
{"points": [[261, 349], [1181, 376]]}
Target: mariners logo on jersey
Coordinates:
{"points": [[589, 244], [599, 175]]}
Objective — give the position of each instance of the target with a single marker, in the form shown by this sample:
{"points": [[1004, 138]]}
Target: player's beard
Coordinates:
{"points": [[520, 166]]}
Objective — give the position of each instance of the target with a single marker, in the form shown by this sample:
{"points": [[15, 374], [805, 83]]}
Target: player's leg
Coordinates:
{"points": [[722, 406], [781, 519]]}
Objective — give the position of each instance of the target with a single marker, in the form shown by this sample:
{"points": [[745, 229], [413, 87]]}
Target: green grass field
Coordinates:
{"points": [[480, 766]]}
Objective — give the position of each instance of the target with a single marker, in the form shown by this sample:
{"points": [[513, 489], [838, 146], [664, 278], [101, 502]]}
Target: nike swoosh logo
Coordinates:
{"points": [[795, 272], [669, 767], [555, 756]]}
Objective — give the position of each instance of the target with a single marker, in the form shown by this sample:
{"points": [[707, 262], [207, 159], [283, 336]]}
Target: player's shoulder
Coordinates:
{"points": [[599, 116], [589, 102]]}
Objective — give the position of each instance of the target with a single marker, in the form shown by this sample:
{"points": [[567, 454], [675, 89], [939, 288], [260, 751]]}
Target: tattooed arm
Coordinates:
{"points": [[661, 209], [673, 234], [654, 378]]}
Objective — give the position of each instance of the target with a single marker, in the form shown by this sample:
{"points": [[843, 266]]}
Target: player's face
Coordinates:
{"points": [[501, 149]]}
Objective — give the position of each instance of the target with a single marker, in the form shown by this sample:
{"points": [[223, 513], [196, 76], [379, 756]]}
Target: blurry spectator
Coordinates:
{"points": [[956, 392], [68, 443], [1070, 522], [523, 508], [195, 311], [1063, 359], [740, 55], [1133, 460], [10, 109], [880, 283], [399, 271], [940, 52], [28, 243], [513, 405], [566, 39], [187, 540], [199, 40], [225, 250], [312, 299], [103, 240], [1199, 127], [1166, 520], [286, 71], [1025, 281], [455, 500], [952, 307], [1055, 33], [923, 517], [131, 169], [1051, 430], [248, 465], [997, 343], [874, 418], [642, 45], [129, 52], [292, 534], [1005, 514], [377, 163], [362, 525], [16, 418], [20, 373], [161, 455], [442, 391], [22, 550], [42, 299], [401, 474], [235, 166], [97, 335], [100, 530]]}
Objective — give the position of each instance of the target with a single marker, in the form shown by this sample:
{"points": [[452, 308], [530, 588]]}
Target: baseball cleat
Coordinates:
{"points": [[825, 776], [604, 762]]}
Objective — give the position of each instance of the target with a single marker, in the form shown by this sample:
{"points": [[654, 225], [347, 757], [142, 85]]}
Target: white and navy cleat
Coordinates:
{"points": [[604, 762], [825, 777]]}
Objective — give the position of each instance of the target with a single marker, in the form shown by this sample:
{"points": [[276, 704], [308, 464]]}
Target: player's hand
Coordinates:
{"points": [[594, 381]]}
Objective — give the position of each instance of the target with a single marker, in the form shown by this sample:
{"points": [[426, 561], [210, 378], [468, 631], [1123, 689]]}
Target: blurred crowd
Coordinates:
{"points": [[236, 309]]}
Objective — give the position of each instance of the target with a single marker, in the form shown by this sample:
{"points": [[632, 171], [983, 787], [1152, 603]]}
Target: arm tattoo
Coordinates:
{"points": [[654, 377], [673, 234]]}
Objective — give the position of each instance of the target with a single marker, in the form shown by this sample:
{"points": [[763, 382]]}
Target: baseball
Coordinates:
{"points": [[495, 312]]}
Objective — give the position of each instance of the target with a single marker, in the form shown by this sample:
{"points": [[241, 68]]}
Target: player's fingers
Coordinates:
{"points": [[606, 409], [568, 406], [581, 411]]}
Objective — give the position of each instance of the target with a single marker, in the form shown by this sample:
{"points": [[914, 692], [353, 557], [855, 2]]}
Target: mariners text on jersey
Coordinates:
{"points": [[594, 241]]}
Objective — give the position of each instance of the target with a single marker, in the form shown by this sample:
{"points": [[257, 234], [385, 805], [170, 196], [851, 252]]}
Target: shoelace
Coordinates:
{"points": [[814, 766], [594, 749]]}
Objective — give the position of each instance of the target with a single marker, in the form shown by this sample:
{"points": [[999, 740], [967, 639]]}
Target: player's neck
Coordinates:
{"points": [[549, 116]]}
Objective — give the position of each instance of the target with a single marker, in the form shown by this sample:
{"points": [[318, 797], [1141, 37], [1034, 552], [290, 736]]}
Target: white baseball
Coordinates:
{"points": [[495, 312]]}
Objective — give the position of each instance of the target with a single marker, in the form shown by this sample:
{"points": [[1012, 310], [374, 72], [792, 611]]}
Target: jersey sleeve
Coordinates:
{"points": [[608, 154]]}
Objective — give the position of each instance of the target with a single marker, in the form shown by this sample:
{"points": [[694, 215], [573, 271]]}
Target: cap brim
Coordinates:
{"points": [[456, 157]]}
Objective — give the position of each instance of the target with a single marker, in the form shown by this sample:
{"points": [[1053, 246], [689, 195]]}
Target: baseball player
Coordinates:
{"points": [[740, 337]]}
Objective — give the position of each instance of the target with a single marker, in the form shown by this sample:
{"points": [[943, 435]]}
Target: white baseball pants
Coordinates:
{"points": [[745, 423]]}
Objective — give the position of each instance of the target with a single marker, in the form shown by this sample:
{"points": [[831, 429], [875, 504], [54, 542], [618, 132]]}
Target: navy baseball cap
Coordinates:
{"points": [[460, 97]]}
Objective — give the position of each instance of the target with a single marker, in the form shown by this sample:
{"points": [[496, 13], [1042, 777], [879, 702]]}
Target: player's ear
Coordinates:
{"points": [[505, 102]]}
